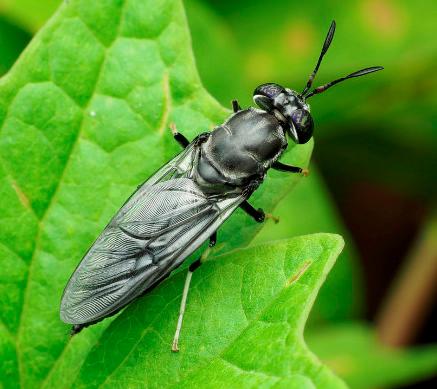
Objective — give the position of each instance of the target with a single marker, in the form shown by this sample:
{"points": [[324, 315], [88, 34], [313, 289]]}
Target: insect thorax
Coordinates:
{"points": [[245, 145]]}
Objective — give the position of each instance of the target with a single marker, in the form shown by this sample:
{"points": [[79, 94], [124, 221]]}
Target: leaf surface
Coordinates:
{"points": [[243, 325], [83, 120]]}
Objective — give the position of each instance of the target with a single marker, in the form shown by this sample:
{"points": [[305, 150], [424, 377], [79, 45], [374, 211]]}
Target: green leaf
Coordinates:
{"points": [[84, 116], [309, 209], [243, 324], [353, 351]]}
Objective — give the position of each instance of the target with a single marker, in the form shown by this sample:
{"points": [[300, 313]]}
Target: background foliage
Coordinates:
{"points": [[375, 140]]}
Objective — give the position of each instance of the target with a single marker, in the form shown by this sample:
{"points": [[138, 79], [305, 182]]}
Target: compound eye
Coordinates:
{"points": [[303, 125], [265, 94], [269, 90]]}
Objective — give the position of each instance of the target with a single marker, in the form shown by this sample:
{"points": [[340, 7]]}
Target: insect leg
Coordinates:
{"points": [[174, 346], [235, 106], [282, 167], [213, 239], [184, 142], [257, 214], [191, 269], [76, 328]]}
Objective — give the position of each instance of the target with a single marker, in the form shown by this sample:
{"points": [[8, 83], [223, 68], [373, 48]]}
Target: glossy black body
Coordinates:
{"points": [[184, 203], [240, 150]]}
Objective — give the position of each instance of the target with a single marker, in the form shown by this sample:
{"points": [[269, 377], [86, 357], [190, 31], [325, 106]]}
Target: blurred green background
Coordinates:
{"points": [[373, 177]]}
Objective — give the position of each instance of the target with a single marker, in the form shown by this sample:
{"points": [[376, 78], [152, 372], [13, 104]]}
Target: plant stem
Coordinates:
{"points": [[413, 292]]}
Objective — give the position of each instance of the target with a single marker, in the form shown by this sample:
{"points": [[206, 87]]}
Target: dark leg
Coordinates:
{"points": [[282, 167], [198, 261], [213, 239], [257, 214], [184, 142], [191, 269], [235, 106], [76, 329]]}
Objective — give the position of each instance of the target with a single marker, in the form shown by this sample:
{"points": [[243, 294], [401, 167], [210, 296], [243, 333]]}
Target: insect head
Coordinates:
{"points": [[290, 107]]}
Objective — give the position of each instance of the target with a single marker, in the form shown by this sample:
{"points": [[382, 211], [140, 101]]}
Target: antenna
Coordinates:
{"points": [[358, 73], [325, 48]]}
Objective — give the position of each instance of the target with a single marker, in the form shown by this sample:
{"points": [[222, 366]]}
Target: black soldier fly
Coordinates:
{"points": [[185, 202]]}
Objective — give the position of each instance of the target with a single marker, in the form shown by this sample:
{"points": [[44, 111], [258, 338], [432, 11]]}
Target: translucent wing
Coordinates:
{"points": [[162, 223]]}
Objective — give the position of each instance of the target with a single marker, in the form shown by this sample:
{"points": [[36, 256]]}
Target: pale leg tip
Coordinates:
{"points": [[173, 129], [273, 218], [175, 348]]}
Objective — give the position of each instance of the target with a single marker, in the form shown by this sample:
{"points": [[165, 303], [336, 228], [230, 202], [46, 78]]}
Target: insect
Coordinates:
{"points": [[185, 202]]}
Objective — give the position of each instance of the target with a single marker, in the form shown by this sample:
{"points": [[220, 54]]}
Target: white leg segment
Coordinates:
{"points": [[175, 347]]}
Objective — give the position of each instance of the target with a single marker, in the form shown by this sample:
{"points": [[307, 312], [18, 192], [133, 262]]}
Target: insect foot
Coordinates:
{"points": [[173, 128], [274, 218], [305, 172]]}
